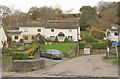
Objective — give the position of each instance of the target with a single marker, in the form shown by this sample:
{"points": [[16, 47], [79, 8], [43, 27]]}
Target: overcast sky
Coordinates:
{"points": [[25, 5]]}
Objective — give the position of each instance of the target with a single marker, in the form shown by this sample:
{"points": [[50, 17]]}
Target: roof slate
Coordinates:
{"points": [[31, 25], [58, 24], [16, 33], [13, 28]]}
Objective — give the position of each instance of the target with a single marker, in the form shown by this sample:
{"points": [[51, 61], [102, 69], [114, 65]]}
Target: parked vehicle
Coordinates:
{"points": [[52, 53]]}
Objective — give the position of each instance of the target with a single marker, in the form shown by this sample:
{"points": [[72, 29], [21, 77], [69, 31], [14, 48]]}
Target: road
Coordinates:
{"points": [[84, 66]]}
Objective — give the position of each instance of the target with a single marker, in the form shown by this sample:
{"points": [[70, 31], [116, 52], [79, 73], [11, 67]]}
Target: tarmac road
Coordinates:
{"points": [[84, 66]]}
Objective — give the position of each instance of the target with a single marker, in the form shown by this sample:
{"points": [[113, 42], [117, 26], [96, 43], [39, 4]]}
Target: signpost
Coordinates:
{"points": [[115, 45]]}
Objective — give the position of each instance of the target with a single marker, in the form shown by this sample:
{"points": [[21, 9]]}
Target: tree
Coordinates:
{"points": [[56, 39], [44, 13], [5, 11], [88, 15], [66, 39]]}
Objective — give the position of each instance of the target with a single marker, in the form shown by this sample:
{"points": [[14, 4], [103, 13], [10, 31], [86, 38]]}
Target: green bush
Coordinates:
{"points": [[81, 45], [66, 39], [99, 45], [21, 40], [20, 56], [84, 26], [90, 39], [56, 39]]}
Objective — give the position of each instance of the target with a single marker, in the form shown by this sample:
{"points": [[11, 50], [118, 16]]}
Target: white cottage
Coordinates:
{"points": [[49, 29], [3, 37], [26, 31], [62, 29], [112, 34]]}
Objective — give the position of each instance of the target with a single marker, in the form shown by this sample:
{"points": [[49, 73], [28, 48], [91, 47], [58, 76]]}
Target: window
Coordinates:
{"points": [[70, 30], [116, 34], [70, 37], [52, 38], [39, 30], [16, 37], [25, 37], [52, 30]]}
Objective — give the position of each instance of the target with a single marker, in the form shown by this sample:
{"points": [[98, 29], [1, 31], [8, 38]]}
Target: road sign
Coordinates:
{"points": [[115, 44]]}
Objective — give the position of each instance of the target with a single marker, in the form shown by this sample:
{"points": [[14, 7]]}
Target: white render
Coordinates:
{"points": [[3, 37], [32, 30], [112, 36], [66, 32], [27, 31]]}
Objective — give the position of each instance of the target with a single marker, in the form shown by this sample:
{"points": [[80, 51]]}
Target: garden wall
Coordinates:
{"points": [[60, 43], [98, 51], [25, 65], [70, 54]]}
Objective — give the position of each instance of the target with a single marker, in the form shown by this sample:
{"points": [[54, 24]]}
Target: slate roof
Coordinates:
{"points": [[15, 33], [31, 25], [114, 28], [59, 24], [13, 28]]}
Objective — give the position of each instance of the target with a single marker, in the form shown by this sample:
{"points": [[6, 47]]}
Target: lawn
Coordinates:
{"points": [[65, 48]]}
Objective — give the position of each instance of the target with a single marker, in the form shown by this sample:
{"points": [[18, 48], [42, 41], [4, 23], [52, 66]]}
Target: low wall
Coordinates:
{"points": [[24, 65], [98, 51], [70, 54]]}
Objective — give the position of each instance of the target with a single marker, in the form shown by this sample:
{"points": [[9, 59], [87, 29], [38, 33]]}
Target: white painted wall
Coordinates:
{"points": [[48, 32], [112, 37], [32, 30], [3, 36], [17, 40]]}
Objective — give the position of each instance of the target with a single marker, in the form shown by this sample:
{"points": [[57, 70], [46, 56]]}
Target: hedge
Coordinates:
{"points": [[99, 45], [81, 45], [90, 39], [20, 56]]}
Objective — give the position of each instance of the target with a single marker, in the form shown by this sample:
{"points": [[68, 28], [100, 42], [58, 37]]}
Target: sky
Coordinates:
{"points": [[25, 5]]}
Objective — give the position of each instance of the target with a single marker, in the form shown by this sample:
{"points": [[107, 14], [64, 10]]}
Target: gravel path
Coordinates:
{"points": [[85, 66]]}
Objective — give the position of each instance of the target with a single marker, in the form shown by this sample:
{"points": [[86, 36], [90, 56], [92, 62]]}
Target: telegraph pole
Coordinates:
{"points": [[78, 37]]}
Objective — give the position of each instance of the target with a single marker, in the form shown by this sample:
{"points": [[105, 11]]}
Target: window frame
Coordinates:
{"points": [[16, 38], [52, 30], [39, 30]]}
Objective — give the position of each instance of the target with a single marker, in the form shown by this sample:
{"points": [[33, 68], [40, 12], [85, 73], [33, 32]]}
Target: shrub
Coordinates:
{"points": [[32, 50], [97, 34], [81, 45], [99, 45], [21, 40], [66, 39], [84, 26], [90, 39], [56, 39], [20, 56]]}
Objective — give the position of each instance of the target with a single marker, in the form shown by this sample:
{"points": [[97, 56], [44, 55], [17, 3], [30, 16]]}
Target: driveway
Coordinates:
{"points": [[84, 66], [49, 62]]}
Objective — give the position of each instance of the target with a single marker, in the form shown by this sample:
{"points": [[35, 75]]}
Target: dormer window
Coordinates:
{"points": [[52, 30], [39, 30]]}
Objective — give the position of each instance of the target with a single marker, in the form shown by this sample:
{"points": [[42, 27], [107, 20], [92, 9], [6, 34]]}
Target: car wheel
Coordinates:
{"points": [[52, 57], [41, 55], [60, 58]]}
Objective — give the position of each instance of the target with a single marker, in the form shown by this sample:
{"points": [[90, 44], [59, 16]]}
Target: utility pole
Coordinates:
{"points": [[78, 38]]}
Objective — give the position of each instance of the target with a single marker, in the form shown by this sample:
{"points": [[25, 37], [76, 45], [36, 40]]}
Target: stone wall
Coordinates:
{"points": [[70, 54], [98, 51], [24, 65]]}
